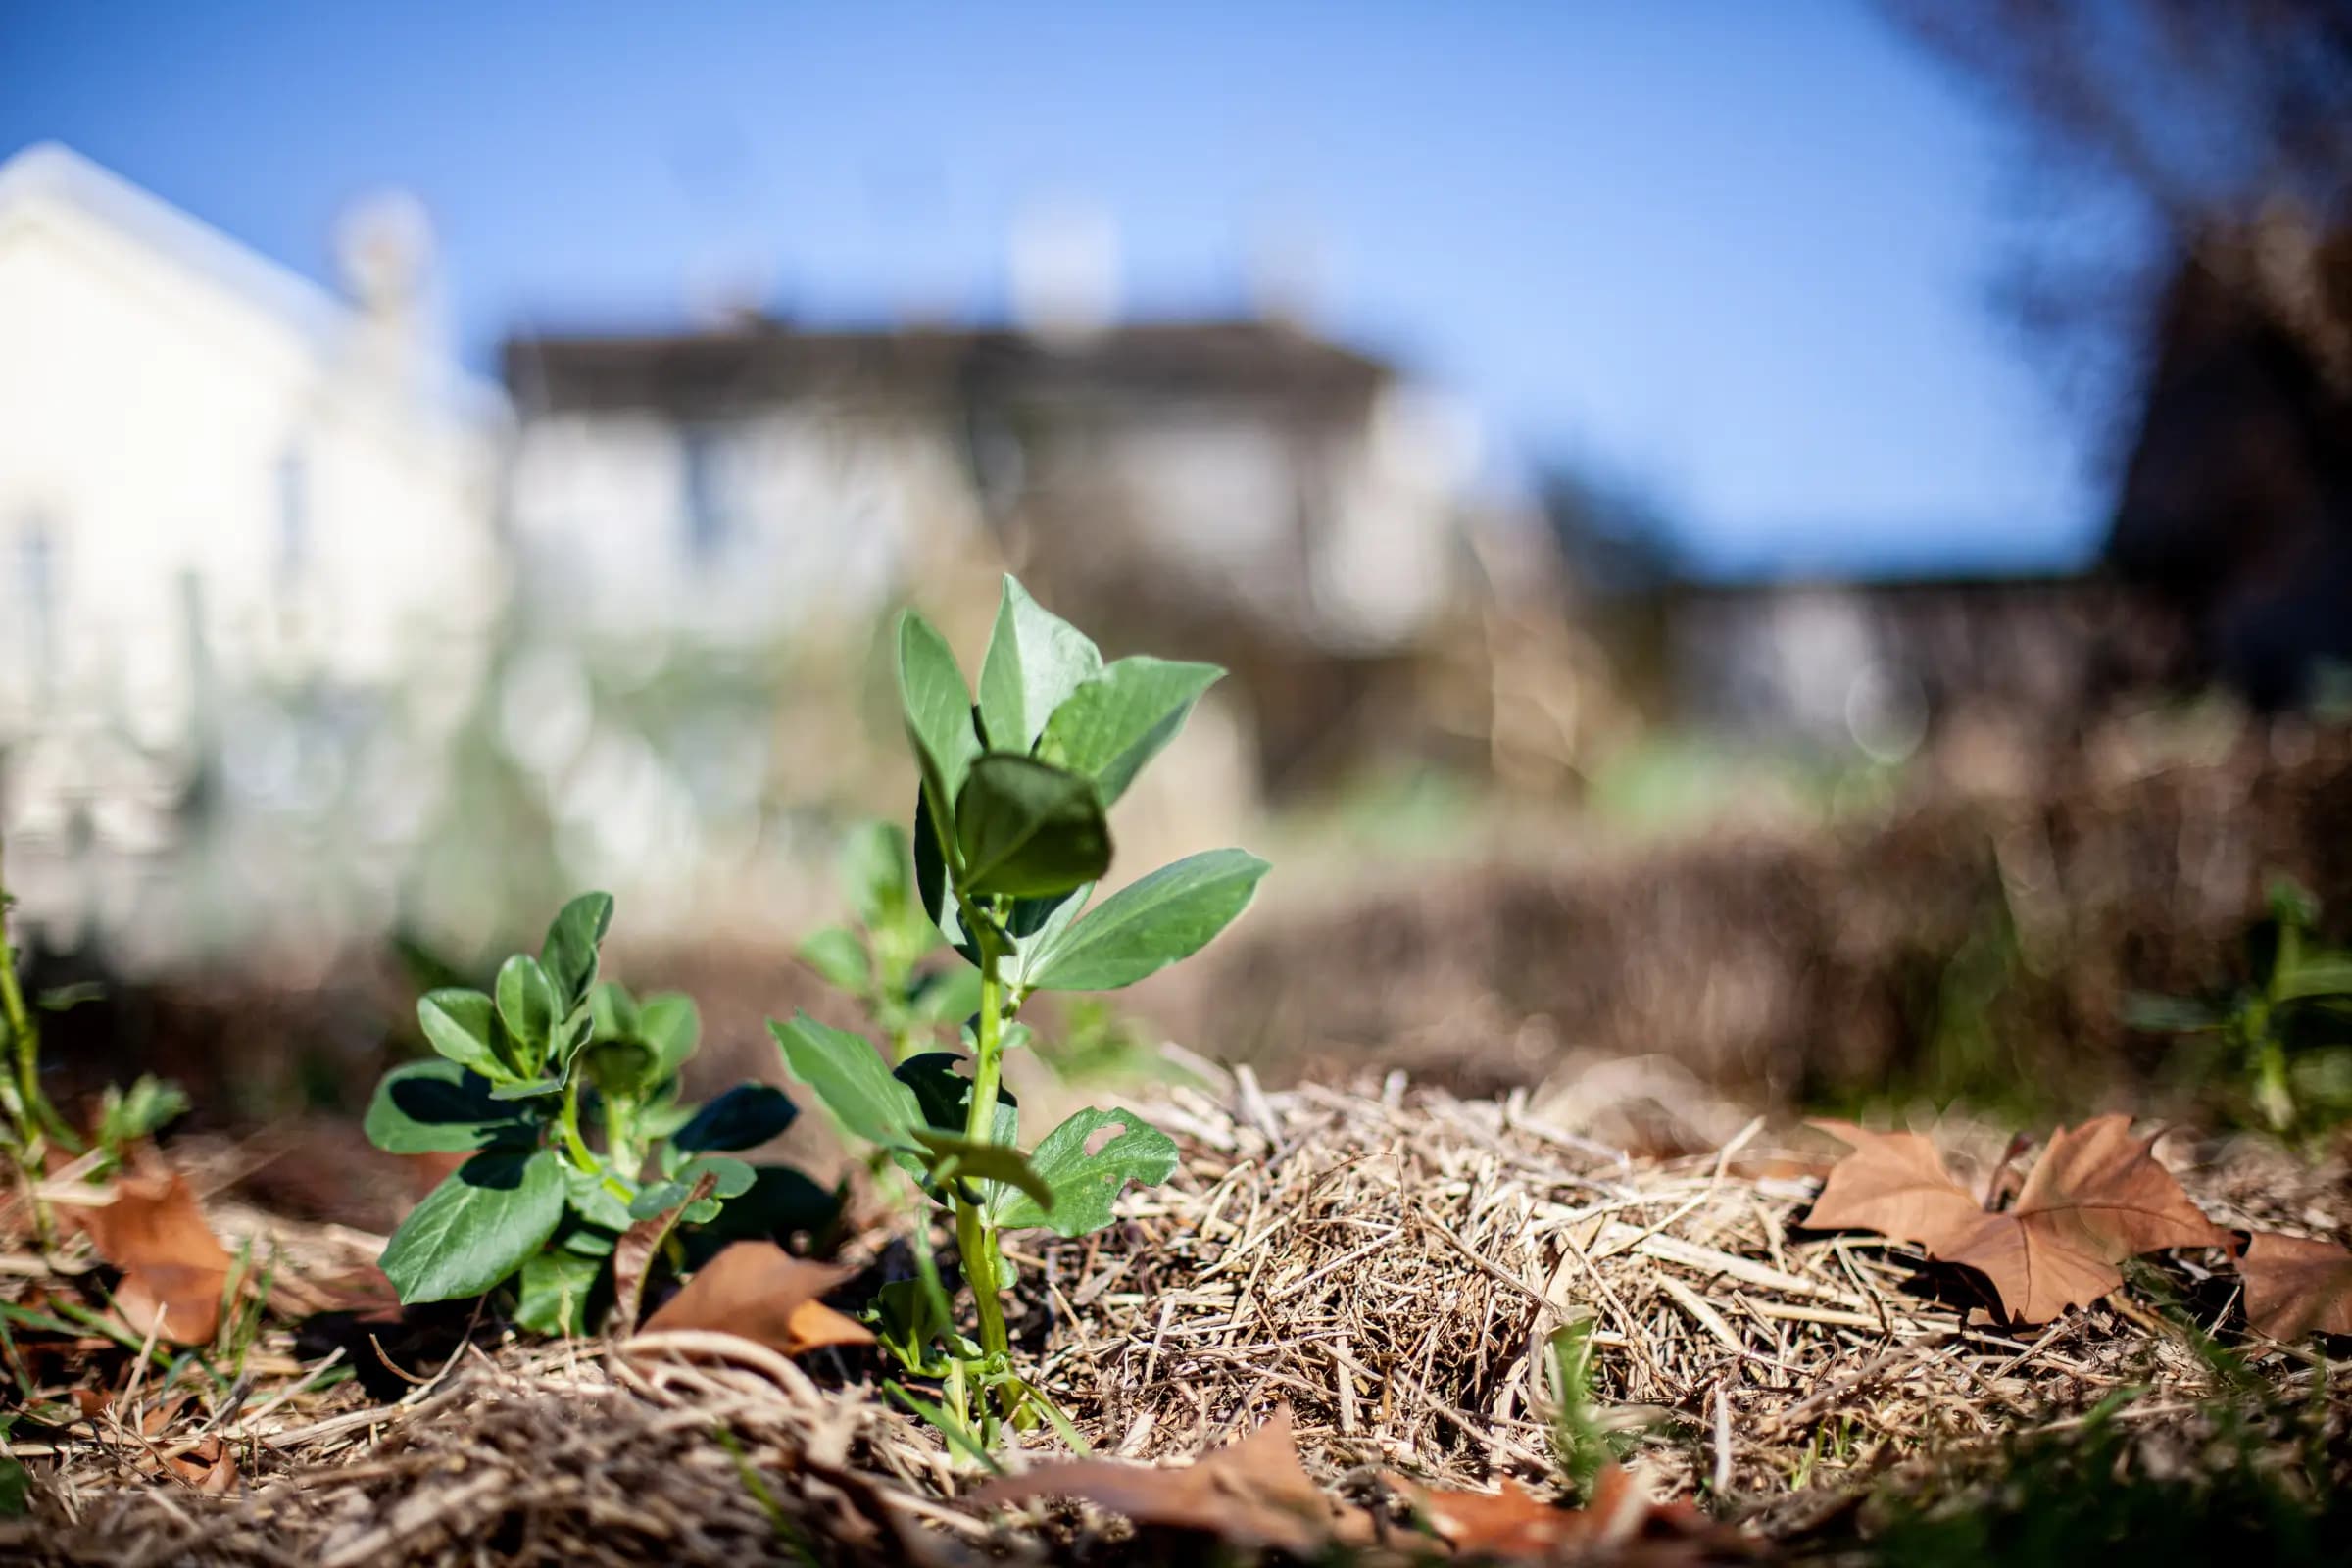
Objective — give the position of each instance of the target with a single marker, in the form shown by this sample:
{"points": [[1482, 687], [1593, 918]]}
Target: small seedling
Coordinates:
{"points": [[2279, 1048], [520, 1077], [31, 1128], [879, 960], [1010, 839]]}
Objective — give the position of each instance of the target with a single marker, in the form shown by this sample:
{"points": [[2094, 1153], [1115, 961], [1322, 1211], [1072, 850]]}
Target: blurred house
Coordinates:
{"points": [[1235, 490], [241, 520], [1882, 666], [2237, 504]]}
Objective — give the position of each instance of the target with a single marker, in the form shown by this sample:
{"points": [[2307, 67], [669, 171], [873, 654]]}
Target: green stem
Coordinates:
{"points": [[576, 1146], [24, 1047], [975, 1237]]}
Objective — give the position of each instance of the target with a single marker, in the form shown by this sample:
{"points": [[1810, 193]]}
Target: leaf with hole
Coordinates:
{"points": [[1086, 1185]]}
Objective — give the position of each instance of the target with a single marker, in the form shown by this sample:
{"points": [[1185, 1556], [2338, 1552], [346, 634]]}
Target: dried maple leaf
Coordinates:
{"points": [[2095, 1198], [760, 1292], [1514, 1526], [1892, 1183], [2295, 1285], [174, 1270], [1252, 1493]]}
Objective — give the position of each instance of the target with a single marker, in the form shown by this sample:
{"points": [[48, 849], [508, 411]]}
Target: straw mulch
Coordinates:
{"points": [[1390, 1263]]}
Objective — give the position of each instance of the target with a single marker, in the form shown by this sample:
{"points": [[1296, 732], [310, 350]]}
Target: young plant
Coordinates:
{"points": [[2280, 1046], [879, 959], [520, 1077], [30, 1129], [1010, 839]]}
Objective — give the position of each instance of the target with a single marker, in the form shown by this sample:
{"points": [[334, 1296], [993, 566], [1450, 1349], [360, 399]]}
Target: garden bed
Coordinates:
{"points": [[1391, 1264]]}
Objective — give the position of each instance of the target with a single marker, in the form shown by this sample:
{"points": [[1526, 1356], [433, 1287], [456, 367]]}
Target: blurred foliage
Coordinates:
{"points": [[2275, 1050]]}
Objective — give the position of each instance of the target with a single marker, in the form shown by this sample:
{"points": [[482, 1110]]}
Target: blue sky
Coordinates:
{"points": [[1735, 254]]}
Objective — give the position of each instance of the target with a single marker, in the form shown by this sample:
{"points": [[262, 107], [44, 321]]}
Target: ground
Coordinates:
{"points": [[1390, 1263]]}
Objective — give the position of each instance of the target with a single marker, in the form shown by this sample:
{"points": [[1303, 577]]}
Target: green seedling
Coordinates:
{"points": [[2279, 1046], [519, 1080], [30, 1129], [1010, 839], [880, 960]]}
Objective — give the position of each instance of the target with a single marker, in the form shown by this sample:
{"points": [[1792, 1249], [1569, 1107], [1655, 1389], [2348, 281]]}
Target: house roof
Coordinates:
{"points": [[50, 175], [713, 371]]}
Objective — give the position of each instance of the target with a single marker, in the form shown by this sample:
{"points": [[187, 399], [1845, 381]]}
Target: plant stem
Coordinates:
{"points": [[25, 1045], [975, 1237], [576, 1146]]}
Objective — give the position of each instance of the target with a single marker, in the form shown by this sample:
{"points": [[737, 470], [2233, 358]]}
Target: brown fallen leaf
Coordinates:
{"points": [[174, 1269], [2095, 1198], [1252, 1493], [1892, 1183], [2295, 1286], [1514, 1526], [760, 1292], [633, 1254]]}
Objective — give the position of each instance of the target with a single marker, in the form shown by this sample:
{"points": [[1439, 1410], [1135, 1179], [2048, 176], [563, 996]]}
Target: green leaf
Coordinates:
{"points": [[612, 1011], [906, 1320], [850, 1077], [16, 1489], [555, 1291], [1029, 829], [1085, 1186], [945, 1095], [570, 951], [438, 1107], [463, 1025], [987, 1162], [594, 1202], [1034, 938], [477, 1227], [939, 709], [875, 872], [1149, 924], [126, 1117], [839, 957], [746, 1116], [527, 1006], [1115, 724], [732, 1177], [2152, 1013], [946, 998], [1035, 659], [779, 1202], [530, 1089], [622, 1068], [2318, 974], [672, 1026]]}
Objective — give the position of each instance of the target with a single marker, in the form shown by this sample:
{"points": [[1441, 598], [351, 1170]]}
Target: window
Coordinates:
{"points": [[704, 493]]}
